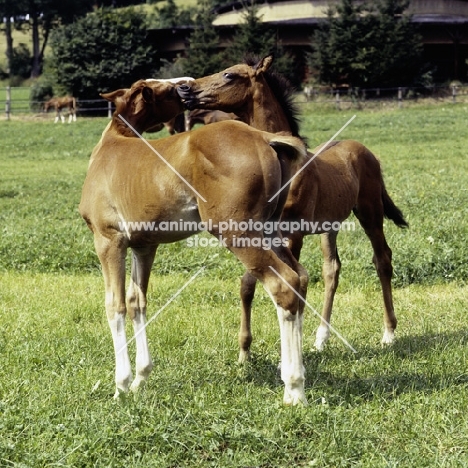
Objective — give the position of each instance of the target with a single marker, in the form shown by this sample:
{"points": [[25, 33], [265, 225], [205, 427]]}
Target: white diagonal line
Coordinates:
{"points": [[161, 158], [74, 450], [313, 157], [341, 337], [162, 308]]}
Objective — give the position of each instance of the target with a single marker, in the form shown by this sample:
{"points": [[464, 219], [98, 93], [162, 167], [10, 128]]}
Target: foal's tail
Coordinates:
{"points": [[294, 147], [391, 211], [291, 152]]}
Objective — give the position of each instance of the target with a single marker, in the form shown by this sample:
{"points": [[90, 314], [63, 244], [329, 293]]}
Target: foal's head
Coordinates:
{"points": [[146, 105], [49, 105], [238, 88]]}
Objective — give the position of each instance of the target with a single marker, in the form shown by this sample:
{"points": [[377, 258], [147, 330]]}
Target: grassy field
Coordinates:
{"points": [[401, 406]]}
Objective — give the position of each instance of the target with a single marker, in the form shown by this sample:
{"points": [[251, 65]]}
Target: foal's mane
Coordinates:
{"points": [[284, 93]]}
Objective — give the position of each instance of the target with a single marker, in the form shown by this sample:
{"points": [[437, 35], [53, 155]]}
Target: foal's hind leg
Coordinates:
{"points": [[382, 259], [248, 283], [383, 264], [330, 272], [142, 260], [247, 292]]}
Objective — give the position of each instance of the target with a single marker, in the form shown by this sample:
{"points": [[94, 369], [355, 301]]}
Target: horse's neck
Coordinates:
{"points": [[119, 127], [98, 147], [266, 114], [115, 129]]}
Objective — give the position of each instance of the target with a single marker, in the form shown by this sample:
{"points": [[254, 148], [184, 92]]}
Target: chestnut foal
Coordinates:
{"points": [[60, 103], [345, 177], [232, 166]]}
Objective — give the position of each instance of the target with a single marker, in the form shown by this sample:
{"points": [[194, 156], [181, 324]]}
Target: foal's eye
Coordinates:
{"points": [[229, 76]]}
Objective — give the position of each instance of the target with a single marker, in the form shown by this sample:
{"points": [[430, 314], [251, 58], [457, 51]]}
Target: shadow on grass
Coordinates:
{"points": [[415, 363]]}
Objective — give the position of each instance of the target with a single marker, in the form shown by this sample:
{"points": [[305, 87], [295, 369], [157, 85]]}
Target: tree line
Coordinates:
{"points": [[96, 45]]}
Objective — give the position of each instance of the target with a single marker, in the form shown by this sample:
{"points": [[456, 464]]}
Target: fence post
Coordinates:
{"points": [[400, 97], [337, 99], [454, 94], [8, 102]]}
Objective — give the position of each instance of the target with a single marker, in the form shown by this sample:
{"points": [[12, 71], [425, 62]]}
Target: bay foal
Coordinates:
{"points": [[234, 167], [345, 177]]}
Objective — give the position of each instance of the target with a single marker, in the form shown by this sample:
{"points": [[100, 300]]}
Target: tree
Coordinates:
{"points": [[10, 12], [257, 39], [170, 15], [203, 57], [367, 46], [103, 51], [38, 16], [397, 55], [43, 16], [252, 37], [21, 61]]}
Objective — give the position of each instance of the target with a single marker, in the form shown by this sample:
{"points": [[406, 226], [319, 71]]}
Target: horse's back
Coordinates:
{"points": [[329, 187]]}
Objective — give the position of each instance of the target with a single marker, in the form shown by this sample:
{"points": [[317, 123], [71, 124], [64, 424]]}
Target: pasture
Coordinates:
{"points": [[380, 407]]}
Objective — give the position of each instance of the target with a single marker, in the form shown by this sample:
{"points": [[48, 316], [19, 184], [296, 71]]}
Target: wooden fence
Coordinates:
{"points": [[15, 100], [371, 97]]}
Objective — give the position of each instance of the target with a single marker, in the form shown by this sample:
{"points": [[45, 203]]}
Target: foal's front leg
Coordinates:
{"points": [[142, 261], [112, 254]]}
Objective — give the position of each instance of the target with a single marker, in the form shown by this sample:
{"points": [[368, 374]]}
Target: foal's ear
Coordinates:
{"points": [[114, 95], [264, 64], [147, 94]]}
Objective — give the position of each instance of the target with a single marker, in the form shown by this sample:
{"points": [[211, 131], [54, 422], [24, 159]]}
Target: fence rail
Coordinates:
{"points": [[364, 97], [15, 100]]}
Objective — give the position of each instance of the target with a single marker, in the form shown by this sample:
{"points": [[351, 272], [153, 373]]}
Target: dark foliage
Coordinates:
{"points": [[105, 50], [203, 57], [371, 44]]}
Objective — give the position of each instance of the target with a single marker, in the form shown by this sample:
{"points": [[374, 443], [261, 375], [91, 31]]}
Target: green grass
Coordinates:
{"points": [[398, 406]]}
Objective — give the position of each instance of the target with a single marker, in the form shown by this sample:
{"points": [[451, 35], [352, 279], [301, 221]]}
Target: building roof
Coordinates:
{"points": [[313, 11]]}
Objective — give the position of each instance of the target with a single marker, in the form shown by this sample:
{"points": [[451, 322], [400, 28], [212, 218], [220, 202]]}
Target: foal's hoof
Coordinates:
{"points": [[321, 338], [137, 384], [244, 356], [388, 338], [295, 398], [319, 345], [120, 395]]}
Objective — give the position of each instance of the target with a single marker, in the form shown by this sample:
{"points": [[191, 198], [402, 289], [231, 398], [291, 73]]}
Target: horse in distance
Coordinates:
{"points": [[59, 104]]}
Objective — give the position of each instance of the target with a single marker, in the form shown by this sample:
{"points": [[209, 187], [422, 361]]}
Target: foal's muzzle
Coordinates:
{"points": [[188, 97]]}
